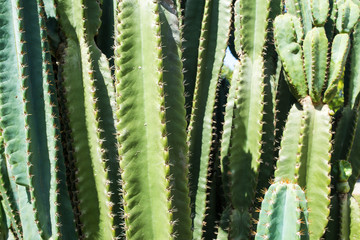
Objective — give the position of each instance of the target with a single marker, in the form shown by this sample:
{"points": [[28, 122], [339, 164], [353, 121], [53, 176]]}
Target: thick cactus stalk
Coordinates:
{"points": [[89, 93], [284, 213], [151, 121], [304, 158]]}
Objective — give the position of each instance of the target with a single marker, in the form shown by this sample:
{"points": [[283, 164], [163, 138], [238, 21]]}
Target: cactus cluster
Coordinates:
{"points": [[116, 123]]}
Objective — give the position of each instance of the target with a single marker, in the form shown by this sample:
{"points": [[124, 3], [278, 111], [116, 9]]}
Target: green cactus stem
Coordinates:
{"points": [[212, 45], [284, 213], [304, 158]]}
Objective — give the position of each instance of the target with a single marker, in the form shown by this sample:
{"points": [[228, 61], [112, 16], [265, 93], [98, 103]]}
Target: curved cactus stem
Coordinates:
{"points": [[354, 219], [320, 10], [284, 213], [302, 10], [339, 54], [247, 133], [272, 73], [348, 15], [85, 92], [315, 49], [213, 42], [62, 217], [288, 44]]}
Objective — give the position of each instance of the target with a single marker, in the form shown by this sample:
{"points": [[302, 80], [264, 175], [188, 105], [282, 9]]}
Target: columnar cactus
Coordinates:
{"points": [[284, 213], [116, 124]]}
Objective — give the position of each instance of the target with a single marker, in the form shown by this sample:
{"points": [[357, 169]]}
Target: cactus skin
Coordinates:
{"points": [[284, 213], [176, 122]]}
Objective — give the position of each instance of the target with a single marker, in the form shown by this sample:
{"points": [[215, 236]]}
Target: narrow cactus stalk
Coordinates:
{"points": [[212, 45], [246, 142], [88, 95]]}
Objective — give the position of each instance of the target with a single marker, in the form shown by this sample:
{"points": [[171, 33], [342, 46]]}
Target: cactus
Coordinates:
{"points": [[115, 121], [284, 213]]}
